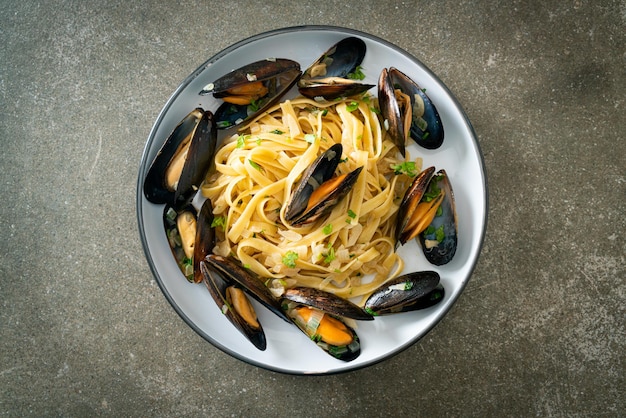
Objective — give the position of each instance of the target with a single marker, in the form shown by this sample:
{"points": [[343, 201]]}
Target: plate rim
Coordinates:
{"points": [[198, 71]]}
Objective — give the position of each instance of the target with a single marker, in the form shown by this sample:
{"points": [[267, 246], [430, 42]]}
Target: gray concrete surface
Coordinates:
{"points": [[86, 331]]}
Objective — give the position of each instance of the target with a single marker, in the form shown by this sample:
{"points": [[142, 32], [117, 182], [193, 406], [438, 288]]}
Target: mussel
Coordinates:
{"points": [[233, 271], [319, 189], [327, 301], [409, 292], [190, 237], [181, 164], [407, 111], [410, 221], [337, 72], [439, 239], [427, 211], [230, 284], [251, 89], [234, 304], [319, 316]]}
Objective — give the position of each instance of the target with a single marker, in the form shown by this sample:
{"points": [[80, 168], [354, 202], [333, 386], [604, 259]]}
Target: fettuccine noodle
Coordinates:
{"points": [[349, 252]]}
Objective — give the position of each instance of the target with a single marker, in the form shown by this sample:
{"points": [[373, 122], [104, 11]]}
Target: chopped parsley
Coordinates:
{"points": [[357, 74], [352, 106], [241, 141], [254, 105], [330, 256], [218, 221], [254, 165], [277, 132], [289, 259], [407, 167], [371, 311], [440, 234], [351, 215], [432, 192], [328, 229]]}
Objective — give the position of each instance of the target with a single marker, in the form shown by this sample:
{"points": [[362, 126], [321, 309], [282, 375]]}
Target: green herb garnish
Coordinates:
{"points": [[352, 106], [440, 234], [254, 165], [357, 74], [328, 229], [289, 259], [407, 167], [218, 221], [254, 105], [330, 256]]}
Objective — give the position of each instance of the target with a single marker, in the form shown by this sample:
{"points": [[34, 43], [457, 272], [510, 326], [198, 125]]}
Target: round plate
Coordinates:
{"points": [[288, 349]]}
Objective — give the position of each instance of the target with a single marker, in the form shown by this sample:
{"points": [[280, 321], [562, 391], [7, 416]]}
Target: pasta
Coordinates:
{"points": [[349, 252]]}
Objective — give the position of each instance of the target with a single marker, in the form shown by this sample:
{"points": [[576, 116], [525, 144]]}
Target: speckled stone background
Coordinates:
{"points": [[86, 331]]}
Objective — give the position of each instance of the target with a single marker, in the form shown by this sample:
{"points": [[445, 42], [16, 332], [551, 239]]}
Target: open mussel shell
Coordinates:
{"points": [[234, 272], [249, 90], [409, 292], [332, 75], [180, 228], [326, 301], [427, 212], [439, 240], [328, 332], [181, 164], [407, 111], [319, 190], [426, 127], [234, 304], [393, 119], [190, 237], [408, 205]]}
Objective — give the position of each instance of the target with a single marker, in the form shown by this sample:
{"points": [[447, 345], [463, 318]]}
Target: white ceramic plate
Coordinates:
{"points": [[289, 350]]}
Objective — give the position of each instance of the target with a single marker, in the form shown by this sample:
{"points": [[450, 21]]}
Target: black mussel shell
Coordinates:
{"points": [[439, 240], [234, 272], [174, 239], [320, 172], [346, 353], [427, 129], [425, 126], [329, 76], [229, 115], [205, 238], [409, 203], [393, 120], [327, 302], [263, 70], [217, 285], [322, 169], [277, 76], [404, 293], [199, 127], [430, 299]]}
